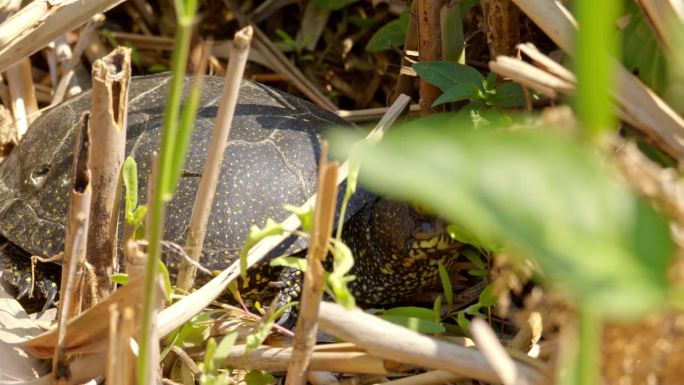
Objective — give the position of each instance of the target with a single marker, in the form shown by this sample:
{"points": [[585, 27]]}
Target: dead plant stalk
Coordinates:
{"points": [[393, 342], [76, 239], [111, 77], [312, 288], [217, 148]]}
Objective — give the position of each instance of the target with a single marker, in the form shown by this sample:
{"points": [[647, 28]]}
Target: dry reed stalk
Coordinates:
{"points": [[75, 244], [75, 57], [214, 161], [175, 315], [647, 112], [434, 377], [394, 342], [312, 288], [429, 47], [495, 354], [530, 76], [24, 105], [41, 22], [120, 359], [111, 77], [86, 333], [284, 66], [369, 114], [277, 359]]}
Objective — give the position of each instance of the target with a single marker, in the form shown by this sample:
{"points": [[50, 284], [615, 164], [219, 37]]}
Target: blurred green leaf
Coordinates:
{"points": [[305, 213], [255, 235], [411, 311], [539, 194], [389, 35], [487, 297], [416, 324], [446, 284], [445, 74]]}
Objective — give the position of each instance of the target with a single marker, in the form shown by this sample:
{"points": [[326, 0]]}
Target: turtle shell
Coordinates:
{"points": [[271, 159]]}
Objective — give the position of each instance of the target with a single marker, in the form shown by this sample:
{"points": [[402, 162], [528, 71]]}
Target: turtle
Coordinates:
{"points": [[271, 159]]}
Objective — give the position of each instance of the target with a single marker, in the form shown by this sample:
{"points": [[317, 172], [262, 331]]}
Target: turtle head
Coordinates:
{"points": [[403, 229]]}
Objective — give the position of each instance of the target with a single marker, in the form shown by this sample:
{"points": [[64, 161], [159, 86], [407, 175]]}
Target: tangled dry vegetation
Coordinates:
{"points": [[321, 51]]}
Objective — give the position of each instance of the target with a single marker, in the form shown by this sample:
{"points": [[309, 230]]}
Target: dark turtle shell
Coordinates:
{"points": [[271, 159]]}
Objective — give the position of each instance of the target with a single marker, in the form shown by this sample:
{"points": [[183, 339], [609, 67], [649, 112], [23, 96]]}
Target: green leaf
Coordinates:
{"points": [[255, 235], [305, 214], [487, 297], [337, 280], [445, 75], [223, 349], [464, 235], [288, 261], [508, 95], [463, 322], [389, 35], [437, 309], [130, 181], [541, 195], [641, 51], [209, 355], [258, 377], [119, 278], [446, 284], [416, 324], [410, 311], [463, 91]]}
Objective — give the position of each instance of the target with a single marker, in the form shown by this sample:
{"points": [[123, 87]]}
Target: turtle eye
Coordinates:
{"points": [[38, 175]]}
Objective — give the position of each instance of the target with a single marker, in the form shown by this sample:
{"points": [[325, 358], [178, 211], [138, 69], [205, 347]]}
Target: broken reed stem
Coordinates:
{"points": [[312, 288], [120, 360], [217, 149], [24, 105], [278, 359], [429, 47], [111, 78], [41, 22], [495, 354], [75, 244], [393, 342], [68, 68]]}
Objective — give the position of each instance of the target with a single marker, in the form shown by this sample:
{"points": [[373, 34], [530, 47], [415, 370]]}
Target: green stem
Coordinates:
{"points": [[163, 186], [588, 352]]}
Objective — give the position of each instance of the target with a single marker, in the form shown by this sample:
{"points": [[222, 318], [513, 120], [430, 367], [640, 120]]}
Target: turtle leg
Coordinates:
{"points": [[289, 288]]}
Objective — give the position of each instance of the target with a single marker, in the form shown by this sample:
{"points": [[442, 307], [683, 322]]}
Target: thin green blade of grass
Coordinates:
{"points": [[163, 184]]}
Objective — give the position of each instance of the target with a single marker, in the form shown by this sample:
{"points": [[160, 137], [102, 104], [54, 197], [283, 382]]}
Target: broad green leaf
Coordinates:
{"points": [[410, 311], [209, 355], [508, 95], [389, 35], [540, 195], [416, 324], [445, 75], [337, 280], [119, 278], [462, 91]]}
